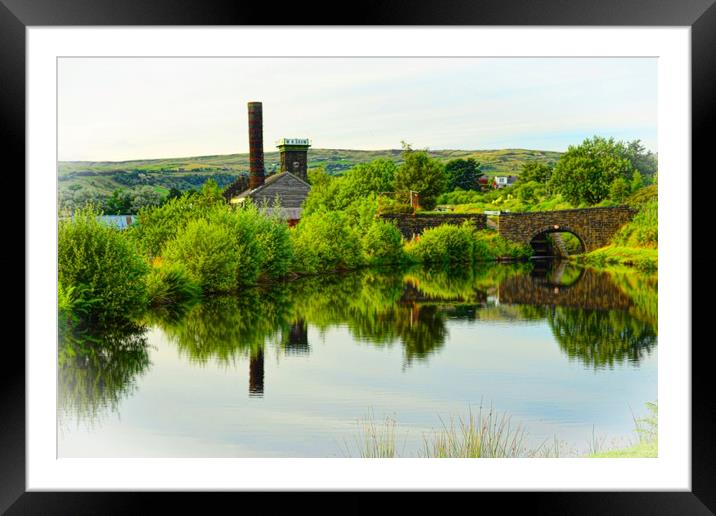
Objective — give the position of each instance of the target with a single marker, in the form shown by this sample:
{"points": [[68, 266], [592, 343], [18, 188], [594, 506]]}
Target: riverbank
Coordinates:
{"points": [[642, 259]]}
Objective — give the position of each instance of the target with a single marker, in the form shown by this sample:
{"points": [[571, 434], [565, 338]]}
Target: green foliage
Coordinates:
{"points": [[169, 284], [382, 243], [636, 182], [275, 253], [143, 197], [644, 161], [243, 225], [444, 244], [364, 180], [157, 225], [643, 196], [463, 174], [489, 245], [585, 173], [646, 260], [325, 241], [448, 244], [98, 263], [535, 171], [324, 192], [423, 174], [619, 190], [119, 203], [643, 230], [460, 196], [207, 252]]}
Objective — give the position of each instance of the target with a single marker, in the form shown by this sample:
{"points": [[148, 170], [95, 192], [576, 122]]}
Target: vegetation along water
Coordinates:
{"points": [[210, 330]]}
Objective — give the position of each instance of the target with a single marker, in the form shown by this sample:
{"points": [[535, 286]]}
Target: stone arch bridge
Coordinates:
{"points": [[593, 226]]}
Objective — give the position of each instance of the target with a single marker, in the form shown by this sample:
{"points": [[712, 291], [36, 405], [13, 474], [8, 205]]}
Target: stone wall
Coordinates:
{"points": [[593, 226], [410, 225]]}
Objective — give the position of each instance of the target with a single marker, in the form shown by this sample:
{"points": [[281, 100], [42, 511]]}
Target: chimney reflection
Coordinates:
{"points": [[256, 375]]}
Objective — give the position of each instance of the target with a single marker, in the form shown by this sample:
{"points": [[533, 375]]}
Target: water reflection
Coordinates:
{"points": [[598, 319], [98, 369]]}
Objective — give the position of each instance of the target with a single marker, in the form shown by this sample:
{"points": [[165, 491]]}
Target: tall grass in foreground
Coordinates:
{"points": [[377, 441], [487, 434], [483, 435]]}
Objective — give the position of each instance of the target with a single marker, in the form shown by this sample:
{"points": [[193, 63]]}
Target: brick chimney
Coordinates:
{"points": [[256, 145]]}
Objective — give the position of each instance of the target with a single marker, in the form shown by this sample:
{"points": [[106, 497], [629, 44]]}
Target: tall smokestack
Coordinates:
{"points": [[256, 145]]}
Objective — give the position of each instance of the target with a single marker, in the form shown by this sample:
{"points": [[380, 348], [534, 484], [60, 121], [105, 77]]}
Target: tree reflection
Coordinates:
{"points": [[601, 338], [225, 328], [98, 370]]}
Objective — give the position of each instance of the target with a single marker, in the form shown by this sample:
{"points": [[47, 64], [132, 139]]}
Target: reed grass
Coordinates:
{"points": [[481, 435]]}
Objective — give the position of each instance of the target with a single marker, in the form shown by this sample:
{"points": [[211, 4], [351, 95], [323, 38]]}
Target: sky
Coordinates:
{"points": [[114, 109]]}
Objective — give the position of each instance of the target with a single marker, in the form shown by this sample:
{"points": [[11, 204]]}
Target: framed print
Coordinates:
{"points": [[323, 258]]}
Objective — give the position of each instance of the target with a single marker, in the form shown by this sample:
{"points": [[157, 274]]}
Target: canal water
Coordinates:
{"points": [[302, 368]]}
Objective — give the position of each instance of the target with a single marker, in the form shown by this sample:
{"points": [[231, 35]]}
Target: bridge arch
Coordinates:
{"points": [[539, 236], [593, 226]]}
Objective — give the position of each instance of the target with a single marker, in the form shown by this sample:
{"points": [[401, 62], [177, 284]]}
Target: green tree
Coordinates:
{"points": [[641, 159], [585, 173], [535, 171], [364, 180], [636, 181], [145, 196], [463, 173], [119, 203], [619, 190], [421, 173]]}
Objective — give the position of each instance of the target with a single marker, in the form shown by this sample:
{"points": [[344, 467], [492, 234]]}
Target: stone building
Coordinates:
{"points": [[283, 192]]}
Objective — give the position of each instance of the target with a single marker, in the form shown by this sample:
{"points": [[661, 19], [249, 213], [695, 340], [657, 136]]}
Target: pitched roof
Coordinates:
{"points": [[269, 180]]}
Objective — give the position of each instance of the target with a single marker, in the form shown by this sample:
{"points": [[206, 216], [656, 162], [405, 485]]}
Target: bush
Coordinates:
{"points": [[99, 269], [489, 245], [383, 243], [325, 241], [207, 251], [243, 226], [169, 284], [158, 225], [274, 246], [443, 244]]}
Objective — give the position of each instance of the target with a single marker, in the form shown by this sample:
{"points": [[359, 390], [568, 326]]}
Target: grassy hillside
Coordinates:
{"points": [[101, 178]]}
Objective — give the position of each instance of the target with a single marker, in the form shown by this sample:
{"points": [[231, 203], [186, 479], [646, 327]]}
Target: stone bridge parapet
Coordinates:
{"points": [[411, 225]]}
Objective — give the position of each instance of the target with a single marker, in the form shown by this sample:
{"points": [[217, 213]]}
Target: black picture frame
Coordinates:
{"points": [[17, 15]]}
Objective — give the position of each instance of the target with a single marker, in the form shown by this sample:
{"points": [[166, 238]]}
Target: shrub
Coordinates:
{"points": [[383, 243], [169, 284], [207, 251], [242, 225], [443, 244], [489, 245], [158, 225], [274, 245], [325, 241], [99, 269]]}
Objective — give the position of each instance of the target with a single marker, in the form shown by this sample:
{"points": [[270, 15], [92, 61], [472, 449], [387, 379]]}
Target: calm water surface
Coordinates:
{"points": [[292, 370]]}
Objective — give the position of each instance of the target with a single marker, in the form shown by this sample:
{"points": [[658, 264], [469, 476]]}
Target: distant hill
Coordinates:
{"points": [[103, 177]]}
